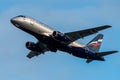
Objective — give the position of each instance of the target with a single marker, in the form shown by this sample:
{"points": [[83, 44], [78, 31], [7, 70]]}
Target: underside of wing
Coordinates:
{"points": [[36, 49], [32, 54], [83, 33]]}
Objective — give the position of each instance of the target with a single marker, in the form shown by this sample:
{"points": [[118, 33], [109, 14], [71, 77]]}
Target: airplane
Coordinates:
{"points": [[52, 40]]}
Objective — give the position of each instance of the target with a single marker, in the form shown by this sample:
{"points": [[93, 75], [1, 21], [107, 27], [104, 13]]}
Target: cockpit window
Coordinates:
{"points": [[21, 16]]}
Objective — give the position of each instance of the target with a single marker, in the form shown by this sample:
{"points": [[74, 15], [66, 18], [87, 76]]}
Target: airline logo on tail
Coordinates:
{"points": [[96, 43]]}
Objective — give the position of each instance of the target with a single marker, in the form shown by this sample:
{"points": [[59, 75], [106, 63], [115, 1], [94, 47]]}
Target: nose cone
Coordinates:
{"points": [[18, 21], [14, 21]]}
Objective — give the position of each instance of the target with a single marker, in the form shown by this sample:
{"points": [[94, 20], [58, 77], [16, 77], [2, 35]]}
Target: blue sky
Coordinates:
{"points": [[64, 15]]}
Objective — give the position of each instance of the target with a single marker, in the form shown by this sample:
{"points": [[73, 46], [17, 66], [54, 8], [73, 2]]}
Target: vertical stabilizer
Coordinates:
{"points": [[95, 44]]}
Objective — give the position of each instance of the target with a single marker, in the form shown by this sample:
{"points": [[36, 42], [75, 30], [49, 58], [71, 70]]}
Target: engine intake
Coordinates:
{"points": [[60, 36], [32, 46]]}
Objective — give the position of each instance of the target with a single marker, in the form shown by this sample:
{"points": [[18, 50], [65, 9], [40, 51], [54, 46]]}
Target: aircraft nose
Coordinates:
{"points": [[14, 20]]}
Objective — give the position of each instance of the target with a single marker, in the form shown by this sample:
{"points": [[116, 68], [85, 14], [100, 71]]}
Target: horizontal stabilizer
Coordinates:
{"points": [[106, 53], [101, 54]]}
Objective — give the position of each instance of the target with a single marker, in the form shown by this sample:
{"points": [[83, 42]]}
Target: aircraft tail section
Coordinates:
{"points": [[101, 55], [95, 44]]}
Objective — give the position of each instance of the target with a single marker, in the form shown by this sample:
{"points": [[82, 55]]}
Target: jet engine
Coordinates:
{"points": [[32, 46], [60, 36]]}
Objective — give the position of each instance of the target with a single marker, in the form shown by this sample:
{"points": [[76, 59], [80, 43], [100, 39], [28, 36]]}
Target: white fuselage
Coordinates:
{"points": [[32, 25]]}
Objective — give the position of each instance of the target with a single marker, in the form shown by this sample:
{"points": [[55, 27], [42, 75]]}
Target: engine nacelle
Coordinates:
{"points": [[60, 36], [32, 46]]}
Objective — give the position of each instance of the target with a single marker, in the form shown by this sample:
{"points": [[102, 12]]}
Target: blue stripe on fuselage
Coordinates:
{"points": [[83, 53]]}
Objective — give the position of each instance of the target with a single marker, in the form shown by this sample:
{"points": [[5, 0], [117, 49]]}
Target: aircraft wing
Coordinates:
{"points": [[43, 47], [83, 33], [32, 54]]}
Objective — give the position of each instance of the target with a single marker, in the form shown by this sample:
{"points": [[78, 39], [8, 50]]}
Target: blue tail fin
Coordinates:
{"points": [[95, 44]]}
